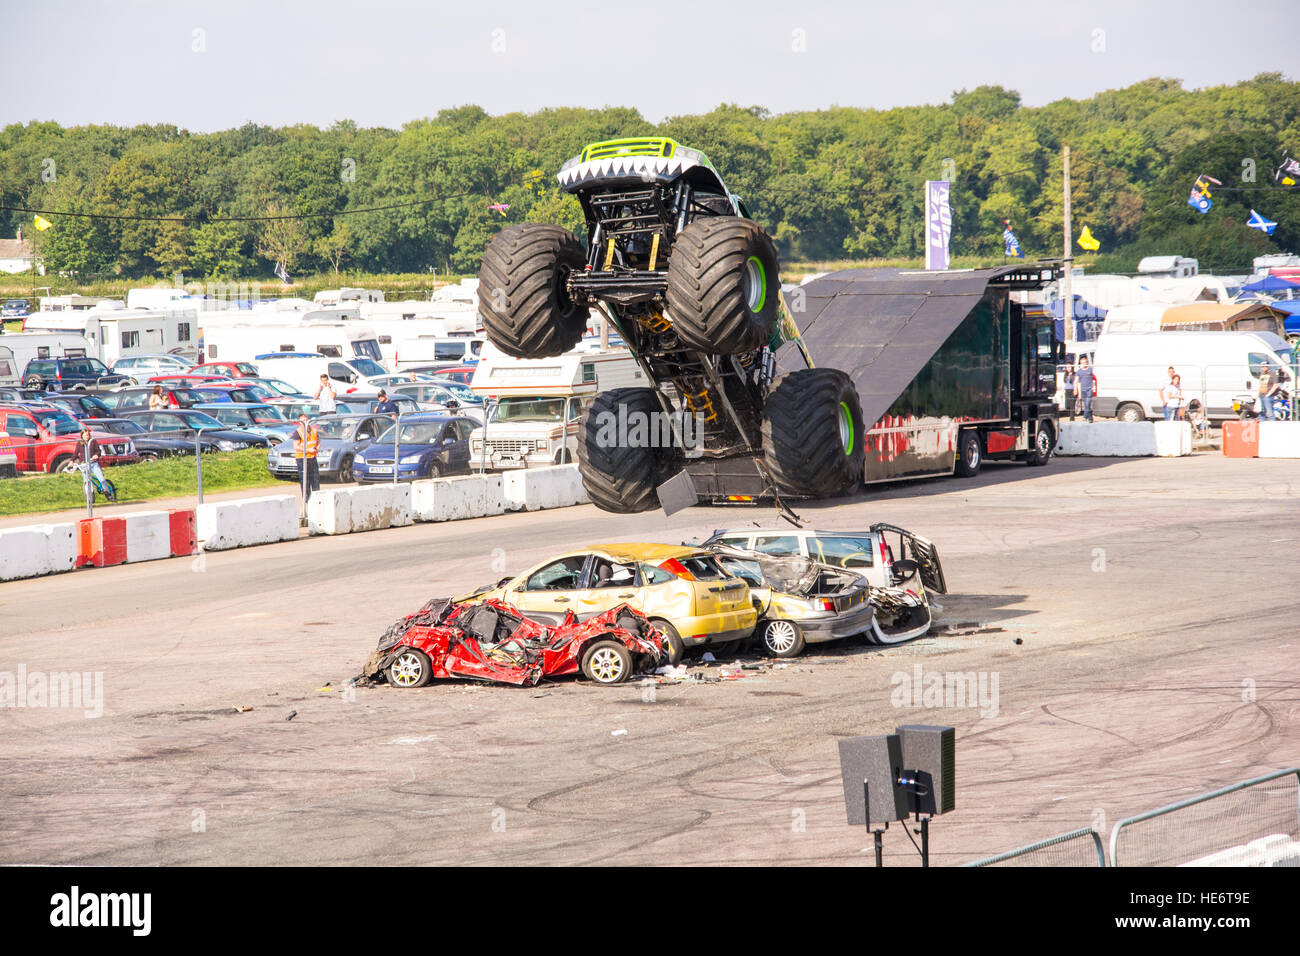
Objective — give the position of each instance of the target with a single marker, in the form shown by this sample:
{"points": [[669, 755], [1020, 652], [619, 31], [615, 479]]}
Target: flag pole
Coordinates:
{"points": [[1067, 276]]}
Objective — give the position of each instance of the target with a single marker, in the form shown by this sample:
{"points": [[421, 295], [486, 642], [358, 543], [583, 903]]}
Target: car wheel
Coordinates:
{"points": [[345, 470], [673, 645], [970, 455], [607, 662], [63, 466], [411, 668], [782, 638], [435, 470], [1131, 413], [148, 456]]}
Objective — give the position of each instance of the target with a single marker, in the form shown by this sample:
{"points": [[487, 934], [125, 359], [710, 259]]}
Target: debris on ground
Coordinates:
{"points": [[292, 715], [241, 710], [708, 657], [618, 733]]}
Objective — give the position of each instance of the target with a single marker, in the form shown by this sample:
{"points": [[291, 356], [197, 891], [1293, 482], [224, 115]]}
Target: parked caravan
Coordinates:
{"points": [[240, 341], [115, 334]]}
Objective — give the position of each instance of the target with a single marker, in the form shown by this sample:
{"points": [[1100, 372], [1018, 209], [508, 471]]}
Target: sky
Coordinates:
{"points": [[205, 65]]}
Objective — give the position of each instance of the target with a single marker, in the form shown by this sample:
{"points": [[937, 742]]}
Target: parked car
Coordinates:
{"points": [[226, 369], [189, 380], [489, 640], [687, 595], [280, 388], [403, 378], [78, 405], [457, 373], [900, 579], [260, 418], [438, 393], [429, 445], [405, 404], [150, 447], [62, 374], [292, 408], [16, 394], [800, 601], [15, 309], [140, 367], [185, 423], [137, 396], [342, 437], [45, 440], [226, 392]]}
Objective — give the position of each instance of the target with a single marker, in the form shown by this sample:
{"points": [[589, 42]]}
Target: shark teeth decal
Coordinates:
{"points": [[656, 167]]}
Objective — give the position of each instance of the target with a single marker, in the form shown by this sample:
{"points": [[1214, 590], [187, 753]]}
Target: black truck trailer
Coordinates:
{"points": [[950, 369]]}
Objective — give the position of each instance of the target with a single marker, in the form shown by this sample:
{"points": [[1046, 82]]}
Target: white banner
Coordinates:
{"points": [[938, 224]]}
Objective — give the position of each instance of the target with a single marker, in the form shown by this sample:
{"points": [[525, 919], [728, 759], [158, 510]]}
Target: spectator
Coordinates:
{"points": [[306, 445], [87, 458], [1171, 398], [385, 405], [1087, 382], [325, 396], [157, 400], [1071, 385], [1267, 389]]}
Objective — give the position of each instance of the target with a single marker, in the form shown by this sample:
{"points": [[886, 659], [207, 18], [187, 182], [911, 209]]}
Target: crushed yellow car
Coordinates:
{"points": [[683, 590]]}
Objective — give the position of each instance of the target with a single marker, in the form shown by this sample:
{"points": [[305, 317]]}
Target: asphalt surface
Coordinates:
{"points": [[1139, 618]]}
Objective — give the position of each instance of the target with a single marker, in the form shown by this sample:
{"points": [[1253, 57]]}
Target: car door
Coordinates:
{"points": [[549, 591], [923, 552], [21, 435], [458, 453]]}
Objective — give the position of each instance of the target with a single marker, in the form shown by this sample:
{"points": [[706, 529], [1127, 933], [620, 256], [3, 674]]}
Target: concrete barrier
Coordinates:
{"points": [[1241, 439], [248, 521], [363, 508], [34, 550], [450, 499], [532, 489], [1125, 439], [1275, 850], [1279, 439], [148, 535]]}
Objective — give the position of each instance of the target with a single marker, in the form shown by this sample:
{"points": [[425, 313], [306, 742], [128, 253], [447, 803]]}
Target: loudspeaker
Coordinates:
{"points": [[879, 761], [930, 755]]}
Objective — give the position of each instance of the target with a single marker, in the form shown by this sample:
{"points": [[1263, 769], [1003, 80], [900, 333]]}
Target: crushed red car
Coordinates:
{"points": [[493, 641]]}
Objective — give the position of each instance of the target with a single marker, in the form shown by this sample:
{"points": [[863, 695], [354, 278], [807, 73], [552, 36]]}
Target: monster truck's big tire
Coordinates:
{"points": [[522, 297], [723, 285], [618, 476], [813, 433]]}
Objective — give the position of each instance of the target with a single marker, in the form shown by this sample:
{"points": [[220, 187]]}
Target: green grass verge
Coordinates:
{"points": [[169, 478]]}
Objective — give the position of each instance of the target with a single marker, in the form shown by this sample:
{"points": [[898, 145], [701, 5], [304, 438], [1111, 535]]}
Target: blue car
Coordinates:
{"points": [[430, 445]]}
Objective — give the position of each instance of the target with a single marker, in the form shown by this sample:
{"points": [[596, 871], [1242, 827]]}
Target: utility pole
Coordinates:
{"points": [[1067, 279]]}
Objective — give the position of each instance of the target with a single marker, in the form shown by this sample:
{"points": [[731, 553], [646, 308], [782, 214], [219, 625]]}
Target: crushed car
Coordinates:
{"points": [[800, 601], [901, 578], [493, 641]]}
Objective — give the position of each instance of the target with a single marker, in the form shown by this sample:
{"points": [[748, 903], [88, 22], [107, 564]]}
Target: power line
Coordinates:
{"points": [[206, 219]]}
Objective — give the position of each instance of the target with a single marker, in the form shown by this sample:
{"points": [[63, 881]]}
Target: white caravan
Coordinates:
{"points": [[117, 333], [241, 341]]}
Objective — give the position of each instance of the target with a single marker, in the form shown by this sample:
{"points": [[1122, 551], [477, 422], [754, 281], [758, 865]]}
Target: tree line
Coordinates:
{"points": [[838, 183]]}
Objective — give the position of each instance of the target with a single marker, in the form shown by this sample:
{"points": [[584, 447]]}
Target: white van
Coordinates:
{"points": [[1132, 368], [303, 370], [10, 373]]}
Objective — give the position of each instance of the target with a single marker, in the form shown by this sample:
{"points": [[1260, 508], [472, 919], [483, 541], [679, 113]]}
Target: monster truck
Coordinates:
{"points": [[691, 283]]}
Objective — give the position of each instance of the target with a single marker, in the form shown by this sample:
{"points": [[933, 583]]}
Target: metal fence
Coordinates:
{"points": [[1197, 827], [1076, 848]]}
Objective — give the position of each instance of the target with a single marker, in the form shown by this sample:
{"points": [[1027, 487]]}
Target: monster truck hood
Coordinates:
{"points": [[638, 161]]}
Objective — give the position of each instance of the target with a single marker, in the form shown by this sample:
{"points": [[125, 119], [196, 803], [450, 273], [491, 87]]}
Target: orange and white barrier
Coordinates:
{"points": [[137, 536]]}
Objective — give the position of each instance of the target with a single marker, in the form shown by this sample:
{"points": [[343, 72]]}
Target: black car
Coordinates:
{"points": [[62, 374], [185, 423], [78, 405], [15, 394], [150, 446]]}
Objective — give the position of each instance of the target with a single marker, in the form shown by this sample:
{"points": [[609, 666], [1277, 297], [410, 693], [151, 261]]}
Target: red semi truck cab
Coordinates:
{"points": [[45, 440]]}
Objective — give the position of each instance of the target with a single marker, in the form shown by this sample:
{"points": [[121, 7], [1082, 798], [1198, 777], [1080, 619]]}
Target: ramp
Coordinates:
{"points": [[882, 326]]}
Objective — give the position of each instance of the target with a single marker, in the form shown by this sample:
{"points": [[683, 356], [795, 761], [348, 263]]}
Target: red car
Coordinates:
{"points": [[492, 641], [460, 373], [45, 439], [226, 369]]}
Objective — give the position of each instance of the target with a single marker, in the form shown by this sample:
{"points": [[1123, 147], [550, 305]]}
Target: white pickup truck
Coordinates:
{"points": [[533, 405]]}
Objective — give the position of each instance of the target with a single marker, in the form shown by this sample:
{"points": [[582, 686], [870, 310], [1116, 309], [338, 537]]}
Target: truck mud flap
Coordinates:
{"points": [[728, 480]]}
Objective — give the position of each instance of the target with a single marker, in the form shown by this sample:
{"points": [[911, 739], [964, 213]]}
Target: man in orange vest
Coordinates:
{"points": [[306, 444]]}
